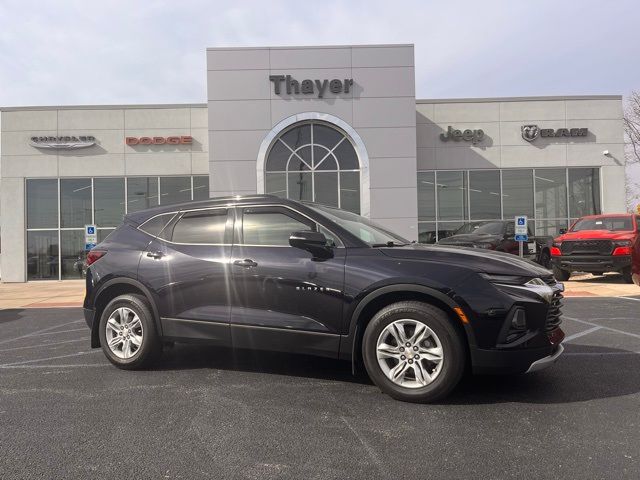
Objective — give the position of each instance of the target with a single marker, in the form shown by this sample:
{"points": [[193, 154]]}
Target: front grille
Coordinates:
{"points": [[586, 247], [554, 313]]}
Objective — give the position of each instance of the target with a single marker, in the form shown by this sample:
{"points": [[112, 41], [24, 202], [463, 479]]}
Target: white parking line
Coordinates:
{"points": [[581, 334], [629, 298], [605, 328], [48, 358], [45, 344], [75, 365], [37, 332]]}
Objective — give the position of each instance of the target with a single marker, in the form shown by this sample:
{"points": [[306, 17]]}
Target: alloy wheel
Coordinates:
{"points": [[409, 353], [124, 333]]}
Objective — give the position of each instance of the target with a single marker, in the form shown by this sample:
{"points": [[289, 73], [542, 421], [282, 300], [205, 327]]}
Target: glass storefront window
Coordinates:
{"points": [[551, 193], [517, 193], [75, 202], [108, 198], [42, 255], [350, 191], [584, 191], [551, 197], [427, 196], [484, 194], [201, 187], [55, 242], [452, 195], [142, 193], [175, 190], [42, 203], [72, 254]]}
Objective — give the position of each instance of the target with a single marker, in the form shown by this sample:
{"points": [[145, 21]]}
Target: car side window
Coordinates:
{"points": [[201, 227], [155, 226], [638, 223], [271, 227]]}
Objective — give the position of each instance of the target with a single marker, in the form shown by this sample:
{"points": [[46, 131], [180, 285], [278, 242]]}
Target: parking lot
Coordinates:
{"points": [[67, 413]]}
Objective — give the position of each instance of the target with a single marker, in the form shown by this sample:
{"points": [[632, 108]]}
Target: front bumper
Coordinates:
{"points": [[546, 361], [525, 360], [592, 263]]}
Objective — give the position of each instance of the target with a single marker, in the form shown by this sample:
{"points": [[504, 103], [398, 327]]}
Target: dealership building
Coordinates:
{"points": [[337, 125]]}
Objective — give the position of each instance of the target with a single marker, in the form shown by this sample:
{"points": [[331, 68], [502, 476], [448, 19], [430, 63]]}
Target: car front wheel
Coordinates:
{"points": [[413, 353], [127, 333]]}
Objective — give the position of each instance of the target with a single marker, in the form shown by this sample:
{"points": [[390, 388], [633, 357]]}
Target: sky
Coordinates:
{"points": [[119, 52]]}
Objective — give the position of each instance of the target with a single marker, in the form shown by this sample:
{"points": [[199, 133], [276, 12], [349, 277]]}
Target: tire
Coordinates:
{"points": [[627, 275], [561, 275], [137, 356], [545, 259], [439, 378]]}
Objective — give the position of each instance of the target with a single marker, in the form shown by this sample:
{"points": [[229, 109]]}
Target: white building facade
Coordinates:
{"points": [[337, 125]]}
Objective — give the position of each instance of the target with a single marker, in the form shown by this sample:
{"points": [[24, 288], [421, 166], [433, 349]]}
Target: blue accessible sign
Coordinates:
{"points": [[522, 238]]}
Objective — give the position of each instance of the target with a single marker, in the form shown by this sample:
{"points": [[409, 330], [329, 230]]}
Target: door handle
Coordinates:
{"points": [[247, 262], [155, 255]]}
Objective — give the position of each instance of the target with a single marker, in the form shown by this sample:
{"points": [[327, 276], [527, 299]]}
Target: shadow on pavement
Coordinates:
{"points": [[584, 373], [11, 315]]}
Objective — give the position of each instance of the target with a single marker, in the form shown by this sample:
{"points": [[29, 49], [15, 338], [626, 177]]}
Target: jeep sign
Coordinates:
{"points": [[473, 136]]}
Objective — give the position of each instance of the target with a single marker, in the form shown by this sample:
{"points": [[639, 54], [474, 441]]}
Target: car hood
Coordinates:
{"points": [[479, 260], [595, 235], [470, 238]]}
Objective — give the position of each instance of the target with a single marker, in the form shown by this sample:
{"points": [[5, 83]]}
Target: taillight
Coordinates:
{"points": [[555, 252], [622, 247], [622, 251], [95, 255]]}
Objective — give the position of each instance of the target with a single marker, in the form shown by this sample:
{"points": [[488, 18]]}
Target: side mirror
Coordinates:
{"points": [[314, 242], [562, 231]]}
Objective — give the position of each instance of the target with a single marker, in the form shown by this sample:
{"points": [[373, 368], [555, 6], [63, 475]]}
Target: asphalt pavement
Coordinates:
{"points": [[65, 412]]}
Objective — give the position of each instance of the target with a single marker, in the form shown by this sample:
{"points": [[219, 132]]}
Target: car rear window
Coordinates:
{"points": [[155, 225], [612, 224]]}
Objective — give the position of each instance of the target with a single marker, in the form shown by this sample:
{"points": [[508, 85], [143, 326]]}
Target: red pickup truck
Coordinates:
{"points": [[598, 244]]}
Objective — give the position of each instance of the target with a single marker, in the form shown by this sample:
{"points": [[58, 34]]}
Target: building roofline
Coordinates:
{"points": [[103, 107], [520, 99], [313, 47]]}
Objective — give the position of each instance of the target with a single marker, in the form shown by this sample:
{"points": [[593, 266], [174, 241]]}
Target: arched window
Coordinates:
{"points": [[314, 161]]}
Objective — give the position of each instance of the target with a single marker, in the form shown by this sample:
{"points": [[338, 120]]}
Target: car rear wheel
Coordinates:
{"points": [[545, 259], [127, 333], [561, 275], [627, 275], [413, 353]]}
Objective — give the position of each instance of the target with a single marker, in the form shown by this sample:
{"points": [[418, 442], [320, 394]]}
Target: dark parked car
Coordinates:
{"points": [[499, 235], [260, 272]]}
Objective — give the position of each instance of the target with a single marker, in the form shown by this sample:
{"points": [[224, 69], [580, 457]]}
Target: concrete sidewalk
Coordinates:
{"points": [[43, 294], [70, 293]]}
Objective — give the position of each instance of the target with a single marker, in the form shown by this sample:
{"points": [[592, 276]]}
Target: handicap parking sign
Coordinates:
{"points": [[520, 220], [91, 230]]}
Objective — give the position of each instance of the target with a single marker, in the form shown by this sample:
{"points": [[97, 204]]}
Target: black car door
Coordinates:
{"points": [[187, 268], [282, 297]]}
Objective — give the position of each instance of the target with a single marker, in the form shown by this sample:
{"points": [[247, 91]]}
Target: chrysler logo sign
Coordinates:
{"points": [[531, 132], [66, 142]]}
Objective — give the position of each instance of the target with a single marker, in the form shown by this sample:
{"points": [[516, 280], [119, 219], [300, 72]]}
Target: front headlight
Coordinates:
{"points": [[534, 285]]}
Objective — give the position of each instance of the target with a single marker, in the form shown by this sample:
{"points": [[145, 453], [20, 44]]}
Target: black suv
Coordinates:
{"points": [[261, 272], [499, 235]]}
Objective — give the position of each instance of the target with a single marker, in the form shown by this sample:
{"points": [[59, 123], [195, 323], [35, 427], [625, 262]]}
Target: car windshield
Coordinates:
{"points": [[613, 224], [490, 228], [364, 229]]}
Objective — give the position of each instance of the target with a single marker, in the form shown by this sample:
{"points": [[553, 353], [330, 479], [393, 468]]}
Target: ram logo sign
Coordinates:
{"points": [[531, 132]]}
